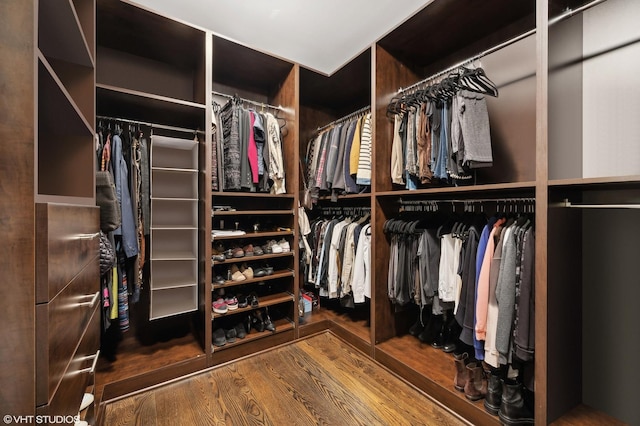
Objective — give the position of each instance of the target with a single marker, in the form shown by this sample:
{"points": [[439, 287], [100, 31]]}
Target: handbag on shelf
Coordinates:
{"points": [[106, 199]]}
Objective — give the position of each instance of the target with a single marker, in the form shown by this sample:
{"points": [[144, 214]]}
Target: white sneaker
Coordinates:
{"points": [[87, 399], [285, 245], [275, 247]]}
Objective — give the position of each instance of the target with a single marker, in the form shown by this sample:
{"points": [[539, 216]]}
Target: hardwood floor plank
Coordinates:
{"points": [[135, 410], [316, 381]]}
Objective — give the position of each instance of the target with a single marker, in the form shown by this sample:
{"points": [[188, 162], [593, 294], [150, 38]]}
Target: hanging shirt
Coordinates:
{"points": [[276, 162], [361, 283], [363, 176]]}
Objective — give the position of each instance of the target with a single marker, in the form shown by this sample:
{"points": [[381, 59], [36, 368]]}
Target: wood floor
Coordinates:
{"points": [[316, 381]]}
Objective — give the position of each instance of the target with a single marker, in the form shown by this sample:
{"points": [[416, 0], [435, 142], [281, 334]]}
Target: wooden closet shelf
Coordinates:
{"points": [[270, 300], [239, 194], [513, 186], [618, 181], [282, 325], [150, 96], [60, 33], [252, 235], [254, 258], [276, 275], [47, 86], [249, 212]]}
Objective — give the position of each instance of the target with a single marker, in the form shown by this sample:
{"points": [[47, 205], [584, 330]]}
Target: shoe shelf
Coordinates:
{"points": [[249, 212], [281, 325], [276, 275], [266, 234], [264, 301], [253, 259]]}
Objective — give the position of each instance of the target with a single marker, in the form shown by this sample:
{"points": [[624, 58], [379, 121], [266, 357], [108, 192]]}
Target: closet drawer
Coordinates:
{"points": [[67, 238], [67, 397], [60, 324]]}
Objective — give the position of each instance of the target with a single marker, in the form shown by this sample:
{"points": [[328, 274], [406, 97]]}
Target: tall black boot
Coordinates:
{"points": [[493, 400], [513, 411], [421, 322], [443, 334], [432, 329], [453, 336]]}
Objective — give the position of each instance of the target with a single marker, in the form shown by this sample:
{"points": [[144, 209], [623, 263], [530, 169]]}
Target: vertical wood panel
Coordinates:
{"points": [[541, 298], [387, 77], [17, 211]]}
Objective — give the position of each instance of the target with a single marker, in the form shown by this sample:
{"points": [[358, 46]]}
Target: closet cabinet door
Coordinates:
{"points": [[68, 295]]}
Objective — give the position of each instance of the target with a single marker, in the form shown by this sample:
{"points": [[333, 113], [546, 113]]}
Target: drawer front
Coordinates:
{"points": [[67, 238], [68, 395], [60, 324]]}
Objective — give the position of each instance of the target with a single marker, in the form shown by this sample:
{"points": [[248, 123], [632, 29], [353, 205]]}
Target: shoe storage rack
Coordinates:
{"points": [[253, 268]]}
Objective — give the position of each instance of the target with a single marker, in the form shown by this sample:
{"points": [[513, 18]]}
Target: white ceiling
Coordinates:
{"points": [[320, 35]]}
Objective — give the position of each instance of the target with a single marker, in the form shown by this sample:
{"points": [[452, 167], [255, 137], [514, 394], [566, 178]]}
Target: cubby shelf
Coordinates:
{"points": [[61, 34], [276, 275], [265, 234], [281, 326], [264, 301], [254, 258]]}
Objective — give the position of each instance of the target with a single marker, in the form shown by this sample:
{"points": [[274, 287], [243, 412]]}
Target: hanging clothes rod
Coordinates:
{"points": [[568, 14], [260, 104], [152, 125], [567, 204], [346, 117], [468, 201]]}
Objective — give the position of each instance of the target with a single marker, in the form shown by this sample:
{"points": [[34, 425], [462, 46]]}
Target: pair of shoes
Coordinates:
{"points": [[263, 271], [252, 300], [242, 301], [218, 279], [241, 333], [217, 253], [240, 274], [219, 338], [220, 307], [231, 302], [261, 321], [234, 253], [273, 247], [257, 251], [248, 250], [285, 245]]}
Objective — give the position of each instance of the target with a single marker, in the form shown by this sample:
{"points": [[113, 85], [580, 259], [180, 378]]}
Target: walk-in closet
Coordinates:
{"points": [[458, 203]]}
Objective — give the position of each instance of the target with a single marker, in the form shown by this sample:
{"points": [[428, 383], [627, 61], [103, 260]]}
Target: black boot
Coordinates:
{"points": [[453, 336], [493, 400], [443, 333], [421, 322], [513, 411], [432, 329]]}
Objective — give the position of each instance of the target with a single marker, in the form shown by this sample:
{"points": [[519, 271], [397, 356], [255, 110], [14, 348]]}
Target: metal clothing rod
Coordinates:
{"points": [[152, 125], [566, 203], [346, 117], [260, 104], [568, 14], [469, 201]]}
